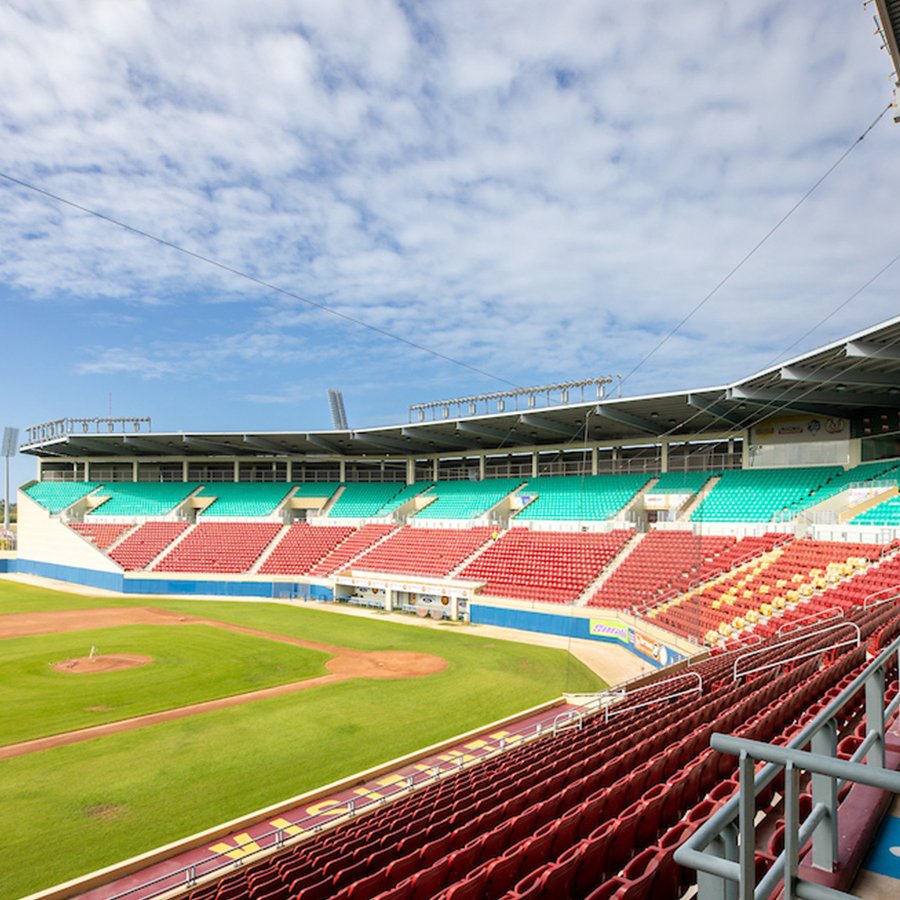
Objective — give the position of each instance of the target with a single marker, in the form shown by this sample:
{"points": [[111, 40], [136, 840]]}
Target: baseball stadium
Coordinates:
{"points": [[545, 642]]}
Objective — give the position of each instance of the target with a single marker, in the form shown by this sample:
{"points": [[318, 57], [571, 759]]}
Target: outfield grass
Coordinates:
{"points": [[73, 809], [191, 663]]}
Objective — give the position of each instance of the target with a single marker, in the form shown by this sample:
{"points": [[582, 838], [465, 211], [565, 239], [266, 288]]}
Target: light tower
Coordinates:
{"points": [[10, 444]]}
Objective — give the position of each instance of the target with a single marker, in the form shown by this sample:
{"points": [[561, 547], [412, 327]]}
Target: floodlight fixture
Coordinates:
{"points": [[338, 413]]}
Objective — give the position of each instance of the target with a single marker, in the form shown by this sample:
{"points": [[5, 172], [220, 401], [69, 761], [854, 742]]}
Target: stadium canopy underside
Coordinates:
{"points": [[854, 379]]}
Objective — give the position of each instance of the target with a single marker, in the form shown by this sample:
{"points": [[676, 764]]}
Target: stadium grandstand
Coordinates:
{"points": [[742, 541]]}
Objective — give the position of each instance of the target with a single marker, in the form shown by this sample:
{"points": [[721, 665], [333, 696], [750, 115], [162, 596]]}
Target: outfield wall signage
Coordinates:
{"points": [[611, 629]]}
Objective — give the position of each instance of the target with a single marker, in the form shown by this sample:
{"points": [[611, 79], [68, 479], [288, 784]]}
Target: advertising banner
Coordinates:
{"points": [[609, 628]]}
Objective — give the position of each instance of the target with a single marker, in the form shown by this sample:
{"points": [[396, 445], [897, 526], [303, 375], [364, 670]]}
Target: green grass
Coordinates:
{"points": [[24, 598], [104, 800], [191, 663]]}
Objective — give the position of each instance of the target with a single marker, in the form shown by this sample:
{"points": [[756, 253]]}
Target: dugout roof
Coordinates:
{"points": [[855, 374]]}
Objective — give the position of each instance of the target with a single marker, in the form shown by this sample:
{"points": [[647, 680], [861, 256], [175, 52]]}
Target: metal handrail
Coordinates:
{"points": [[894, 592], [793, 640], [622, 707], [694, 853], [789, 626]]}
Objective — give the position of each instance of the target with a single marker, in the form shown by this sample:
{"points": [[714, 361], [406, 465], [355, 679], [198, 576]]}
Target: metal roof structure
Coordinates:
{"points": [[889, 15], [857, 373]]}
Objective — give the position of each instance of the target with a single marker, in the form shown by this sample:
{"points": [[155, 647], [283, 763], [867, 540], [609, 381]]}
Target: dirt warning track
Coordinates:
{"points": [[345, 663]]}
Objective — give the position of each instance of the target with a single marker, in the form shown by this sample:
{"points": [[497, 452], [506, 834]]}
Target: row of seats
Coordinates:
{"points": [[552, 566], [145, 543], [662, 561], [101, 535], [302, 547], [370, 501], [766, 584], [465, 499], [423, 551], [590, 813], [589, 498], [219, 547]]}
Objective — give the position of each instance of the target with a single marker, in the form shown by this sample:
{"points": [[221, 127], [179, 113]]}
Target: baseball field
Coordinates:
{"points": [[129, 723]]}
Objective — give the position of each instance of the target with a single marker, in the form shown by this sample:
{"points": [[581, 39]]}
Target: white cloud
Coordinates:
{"points": [[538, 189]]}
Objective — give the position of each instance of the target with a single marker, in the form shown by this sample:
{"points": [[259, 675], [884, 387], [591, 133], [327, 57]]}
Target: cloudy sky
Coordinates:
{"points": [[540, 190]]}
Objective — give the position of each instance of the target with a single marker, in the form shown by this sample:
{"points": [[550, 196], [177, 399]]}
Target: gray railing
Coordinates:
{"points": [[723, 849]]}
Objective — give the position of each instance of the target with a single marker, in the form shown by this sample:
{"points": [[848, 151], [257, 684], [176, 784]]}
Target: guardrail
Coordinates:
{"points": [[723, 849], [794, 640]]}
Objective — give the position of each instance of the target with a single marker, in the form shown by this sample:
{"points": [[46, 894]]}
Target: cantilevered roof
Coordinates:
{"points": [[859, 372], [889, 14]]}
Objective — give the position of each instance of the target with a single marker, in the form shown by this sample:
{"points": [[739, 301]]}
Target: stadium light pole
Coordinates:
{"points": [[10, 439]]}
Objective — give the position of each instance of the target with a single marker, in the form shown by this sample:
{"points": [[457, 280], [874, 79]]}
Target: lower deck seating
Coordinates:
{"points": [[661, 562], [356, 544], [298, 551], [101, 536], [762, 586], [424, 551], [589, 813], [144, 544], [220, 547], [553, 566]]}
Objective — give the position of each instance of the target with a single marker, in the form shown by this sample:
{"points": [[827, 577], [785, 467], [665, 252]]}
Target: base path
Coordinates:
{"points": [[345, 663]]}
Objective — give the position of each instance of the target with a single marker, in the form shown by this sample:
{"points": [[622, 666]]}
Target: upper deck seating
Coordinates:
{"points": [[250, 500], [553, 566], [593, 497], [145, 543], [369, 501], [596, 811], [886, 514], [357, 543], [466, 499], [302, 547], [220, 547], [55, 496], [758, 495], [882, 470], [101, 535], [424, 551], [663, 561], [126, 498], [681, 482]]}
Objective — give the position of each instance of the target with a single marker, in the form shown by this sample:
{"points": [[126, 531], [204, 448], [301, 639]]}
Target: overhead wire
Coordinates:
{"points": [[750, 253], [247, 276]]}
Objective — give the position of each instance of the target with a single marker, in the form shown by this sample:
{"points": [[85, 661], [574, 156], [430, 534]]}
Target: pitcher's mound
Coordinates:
{"points": [[102, 662]]}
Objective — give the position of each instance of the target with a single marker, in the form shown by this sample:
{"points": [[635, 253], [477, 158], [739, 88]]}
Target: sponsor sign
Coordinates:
{"points": [[609, 628], [800, 429], [664, 501]]}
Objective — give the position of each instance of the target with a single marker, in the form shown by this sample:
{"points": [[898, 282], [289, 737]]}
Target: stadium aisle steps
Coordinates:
{"points": [[147, 544], [345, 554], [302, 547]]}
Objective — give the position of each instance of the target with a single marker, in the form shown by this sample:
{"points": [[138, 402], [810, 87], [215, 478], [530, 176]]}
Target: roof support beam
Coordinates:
{"points": [[266, 446], [551, 426], [213, 446], [450, 439], [645, 426], [714, 408], [482, 431], [800, 373], [867, 350], [838, 402], [151, 446], [386, 443], [324, 444]]}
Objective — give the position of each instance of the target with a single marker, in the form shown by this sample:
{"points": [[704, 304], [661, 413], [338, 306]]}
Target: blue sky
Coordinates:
{"points": [[541, 190]]}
